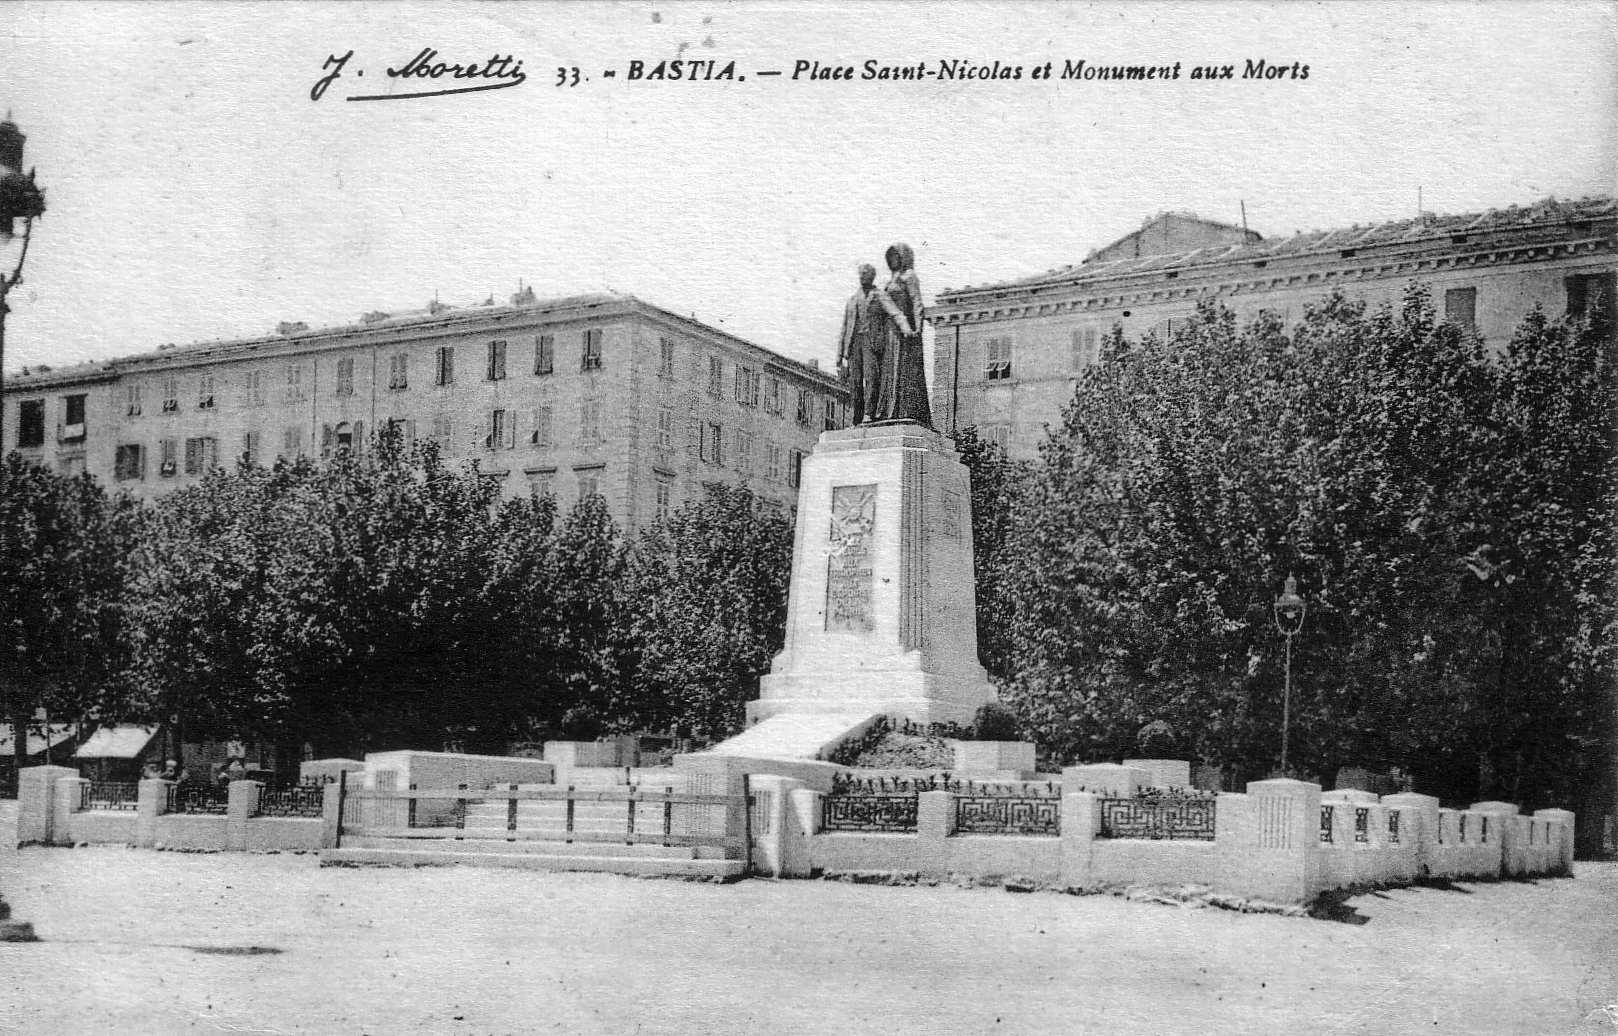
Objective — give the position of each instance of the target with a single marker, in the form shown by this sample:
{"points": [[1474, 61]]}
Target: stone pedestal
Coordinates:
{"points": [[882, 616]]}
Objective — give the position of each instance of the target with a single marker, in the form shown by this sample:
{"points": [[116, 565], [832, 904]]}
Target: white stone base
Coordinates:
{"points": [[917, 696]]}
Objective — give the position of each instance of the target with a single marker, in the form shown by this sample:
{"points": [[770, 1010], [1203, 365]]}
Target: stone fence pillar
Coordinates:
{"points": [[1080, 822], [239, 808], [151, 803], [69, 793], [1275, 854], [1500, 816], [36, 802], [776, 836], [1418, 828], [1565, 863]]}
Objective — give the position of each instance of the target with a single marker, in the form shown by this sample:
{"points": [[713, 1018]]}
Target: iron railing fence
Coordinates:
{"points": [[891, 813], [199, 797], [1008, 815], [1159, 818], [293, 800], [121, 796]]}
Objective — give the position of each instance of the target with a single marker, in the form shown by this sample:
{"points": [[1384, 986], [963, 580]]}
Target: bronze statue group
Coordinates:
{"points": [[880, 354]]}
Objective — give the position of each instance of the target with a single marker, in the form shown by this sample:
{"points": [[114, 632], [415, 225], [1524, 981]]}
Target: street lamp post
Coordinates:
{"points": [[20, 198], [1289, 610]]}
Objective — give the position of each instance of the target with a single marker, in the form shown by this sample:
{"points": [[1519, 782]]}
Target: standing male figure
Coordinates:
{"points": [[859, 351]]}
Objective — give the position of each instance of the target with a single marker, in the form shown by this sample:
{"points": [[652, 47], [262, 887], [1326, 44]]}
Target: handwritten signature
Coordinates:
{"points": [[504, 70]]}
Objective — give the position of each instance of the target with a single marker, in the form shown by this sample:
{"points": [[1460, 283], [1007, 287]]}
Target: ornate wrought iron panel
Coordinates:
{"points": [[199, 798], [895, 813], [116, 795], [1003, 815], [1327, 820], [1362, 824], [1393, 827], [1176, 819], [304, 800]]}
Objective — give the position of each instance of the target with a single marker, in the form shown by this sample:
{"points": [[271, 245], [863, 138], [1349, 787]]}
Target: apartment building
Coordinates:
{"points": [[1008, 354], [599, 394]]}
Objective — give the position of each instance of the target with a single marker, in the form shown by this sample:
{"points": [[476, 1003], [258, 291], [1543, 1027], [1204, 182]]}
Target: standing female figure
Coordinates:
{"points": [[904, 377]]}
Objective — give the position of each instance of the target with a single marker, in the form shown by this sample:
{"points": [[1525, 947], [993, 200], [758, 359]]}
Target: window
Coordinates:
{"points": [[167, 449], [539, 483], [544, 354], [403, 430], [747, 386], [443, 431], [805, 408], [1461, 306], [171, 394], [589, 483], [744, 453], [590, 421], [772, 457], [132, 399], [496, 370], [343, 438], [999, 434], [444, 372], [128, 462], [205, 387], [665, 494], [713, 442], [795, 469], [832, 415], [294, 384], [772, 397], [716, 377], [31, 423], [201, 454], [665, 361], [398, 372], [500, 431], [591, 360], [250, 447], [543, 433], [998, 367], [1084, 347], [292, 441], [1587, 291], [345, 376], [665, 428], [255, 388], [73, 418]]}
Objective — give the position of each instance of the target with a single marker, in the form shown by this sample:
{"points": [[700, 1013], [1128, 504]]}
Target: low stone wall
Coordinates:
{"points": [[1279, 842], [52, 811]]}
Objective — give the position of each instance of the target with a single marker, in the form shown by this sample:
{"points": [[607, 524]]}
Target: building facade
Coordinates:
{"points": [[601, 394], [1008, 356]]}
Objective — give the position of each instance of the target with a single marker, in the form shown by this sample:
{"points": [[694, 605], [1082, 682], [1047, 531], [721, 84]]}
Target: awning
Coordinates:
{"points": [[122, 742]]}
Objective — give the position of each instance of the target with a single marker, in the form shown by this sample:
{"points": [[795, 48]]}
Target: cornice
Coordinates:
{"points": [[1240, 277]]}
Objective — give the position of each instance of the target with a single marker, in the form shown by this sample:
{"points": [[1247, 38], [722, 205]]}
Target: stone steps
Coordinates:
{"points": [[490, 856], [524, 843], [795, 735]]}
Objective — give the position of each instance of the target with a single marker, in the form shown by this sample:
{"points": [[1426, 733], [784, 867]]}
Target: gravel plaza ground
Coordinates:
{"points": [[144, 942]]}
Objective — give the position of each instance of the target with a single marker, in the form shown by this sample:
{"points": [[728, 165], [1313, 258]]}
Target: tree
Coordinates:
{"points": [[64, 549], [996, 482], [705, 611], [1384, 459]]}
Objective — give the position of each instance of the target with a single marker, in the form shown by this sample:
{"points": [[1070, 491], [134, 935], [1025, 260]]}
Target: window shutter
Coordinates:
{"points": [[511, 430], [359, 436], [326, 437]]}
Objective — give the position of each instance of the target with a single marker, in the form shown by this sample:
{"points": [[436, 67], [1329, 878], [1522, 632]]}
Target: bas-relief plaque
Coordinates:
{"points": [[848, 565]]}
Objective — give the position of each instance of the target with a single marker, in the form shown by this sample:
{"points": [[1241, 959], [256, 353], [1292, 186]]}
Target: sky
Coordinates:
{"points": [[197, 192]]}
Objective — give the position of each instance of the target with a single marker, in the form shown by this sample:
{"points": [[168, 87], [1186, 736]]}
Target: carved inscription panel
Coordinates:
{"points": [[848, 564]]}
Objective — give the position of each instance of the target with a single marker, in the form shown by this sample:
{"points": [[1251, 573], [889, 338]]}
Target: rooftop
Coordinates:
{"points": [[435, 316], [1428, 227]]}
